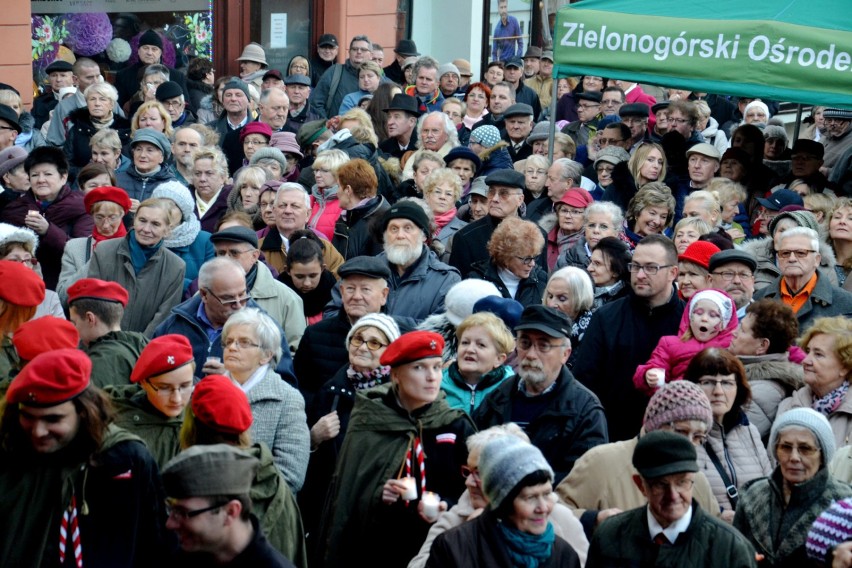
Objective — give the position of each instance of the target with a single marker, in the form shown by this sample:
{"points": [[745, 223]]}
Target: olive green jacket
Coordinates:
{"points": [[134, 413], [114, 355]]}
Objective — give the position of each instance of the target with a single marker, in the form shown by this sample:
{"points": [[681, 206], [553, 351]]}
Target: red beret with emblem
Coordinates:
{"points": [[95, 289], [44, 334], [107, 193], [51, 378], [163, 354], [28, 290], [220, 404], [413, 346]]}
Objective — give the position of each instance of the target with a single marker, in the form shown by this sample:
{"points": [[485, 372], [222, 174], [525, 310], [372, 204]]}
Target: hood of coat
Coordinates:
{"points": [[729, 329], [774, 367]]}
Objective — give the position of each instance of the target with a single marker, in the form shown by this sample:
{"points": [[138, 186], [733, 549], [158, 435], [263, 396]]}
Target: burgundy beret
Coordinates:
{"points": [[256, 128], [28, 290], [95, 289], [220, 404], [44, 334], [51, 378], [163, 354], [107, 193], [413, 346]]}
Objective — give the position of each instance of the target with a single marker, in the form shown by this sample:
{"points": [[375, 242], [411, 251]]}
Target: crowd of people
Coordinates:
{"points": [[348, 313]]}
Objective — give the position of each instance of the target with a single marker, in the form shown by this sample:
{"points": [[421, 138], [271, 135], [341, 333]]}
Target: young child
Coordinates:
{"points": [[307, 274], [708, 321], [730, 195]]}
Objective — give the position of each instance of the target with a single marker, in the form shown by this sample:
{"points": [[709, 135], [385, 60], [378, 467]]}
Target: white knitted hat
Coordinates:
{"points": [[382, 322], [812, 420], [13, 234], [463, 295], [723, 301]]}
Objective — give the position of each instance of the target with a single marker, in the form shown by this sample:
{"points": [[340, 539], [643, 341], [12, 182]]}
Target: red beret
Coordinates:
{"points": [[256, 128], [413, 346], [163, 354], [700, 252], [221, 405], [107, 193], [94, 289], [51, 378], [28, 290], [576, 197], [44, 334]]}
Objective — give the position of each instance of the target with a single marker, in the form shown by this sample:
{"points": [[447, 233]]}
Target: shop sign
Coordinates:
{"points": [[78, 6]]}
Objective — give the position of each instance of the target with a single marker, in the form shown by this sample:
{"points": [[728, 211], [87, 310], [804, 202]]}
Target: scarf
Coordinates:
{"points": [[184, 234], [830, 402], [423, 101], [604, 294], [251, 277], [98, 236], [363, 381], [139, 255], [565, 241], [101, 124], [442, 219], [527, 550]]}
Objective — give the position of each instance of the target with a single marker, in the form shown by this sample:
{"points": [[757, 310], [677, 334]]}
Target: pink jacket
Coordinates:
{"points": [[324, 213], [673, 354]]}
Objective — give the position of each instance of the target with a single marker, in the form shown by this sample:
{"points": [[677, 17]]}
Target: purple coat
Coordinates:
{"points": [[215, 211], [67, 218]]}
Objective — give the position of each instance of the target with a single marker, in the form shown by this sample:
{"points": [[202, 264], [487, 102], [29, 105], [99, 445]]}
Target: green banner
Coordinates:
{"points": [[738, 57]]}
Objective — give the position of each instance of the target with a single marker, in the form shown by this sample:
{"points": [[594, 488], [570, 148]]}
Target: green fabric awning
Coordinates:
{"points": [[789, 50]]}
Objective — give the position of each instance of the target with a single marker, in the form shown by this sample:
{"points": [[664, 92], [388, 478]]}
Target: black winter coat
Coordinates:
{"points": [[623, 186], [79, 132], [353, 235], [572, 421], [127, 81], [530, 289], [470, 244], [322, 351]]}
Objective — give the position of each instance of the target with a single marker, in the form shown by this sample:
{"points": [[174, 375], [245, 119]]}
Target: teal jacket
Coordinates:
{"points": [[461, 396]]}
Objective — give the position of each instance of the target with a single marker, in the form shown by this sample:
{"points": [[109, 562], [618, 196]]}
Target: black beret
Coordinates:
{"points": [[634, 109], [168, 90], [59, 65]]}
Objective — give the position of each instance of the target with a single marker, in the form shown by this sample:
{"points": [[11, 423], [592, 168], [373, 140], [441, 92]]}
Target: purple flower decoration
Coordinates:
{"points": [[88, 34], [168, 50]]}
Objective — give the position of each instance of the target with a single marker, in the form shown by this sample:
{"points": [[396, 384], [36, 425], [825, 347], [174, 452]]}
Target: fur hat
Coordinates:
{"points": [[461, 298], [504, 463], [679, 400], [12, 234], [811, 420]]}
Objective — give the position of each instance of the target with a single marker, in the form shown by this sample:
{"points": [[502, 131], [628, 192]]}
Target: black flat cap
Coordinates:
{"points": [[812, 147], [661, 453], [510, 178], [328, 39], [515, 62], [406, 47], [732, 255], [546, 320], [518, 109], [660, 106], [634, 109], [59, 65], [235, 235], [298, 80], [168, 90], [370, 266], [589, 96]]}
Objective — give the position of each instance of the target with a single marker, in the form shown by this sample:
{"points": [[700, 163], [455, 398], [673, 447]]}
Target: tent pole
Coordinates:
{"points": [[798, 122], [552, 133]]}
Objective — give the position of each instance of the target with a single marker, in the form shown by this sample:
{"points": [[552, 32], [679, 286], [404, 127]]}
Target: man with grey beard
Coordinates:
{"points": [[562, 417]]}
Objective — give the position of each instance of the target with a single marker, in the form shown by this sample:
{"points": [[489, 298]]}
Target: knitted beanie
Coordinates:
{"points": [[382, 322], [269, 152], [802, 218], [831, 528], [774, 131], [722, 300], [679, 400], [462, 296], [810, 419], [759, 104], [505, 462], [486, 135], [178, 193]]}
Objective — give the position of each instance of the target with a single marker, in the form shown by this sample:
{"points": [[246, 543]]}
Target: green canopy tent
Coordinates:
{"points": [[790, 50]]}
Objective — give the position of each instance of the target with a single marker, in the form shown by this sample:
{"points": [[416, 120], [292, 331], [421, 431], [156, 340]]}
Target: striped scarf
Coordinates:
{"points": [[70, 529]]}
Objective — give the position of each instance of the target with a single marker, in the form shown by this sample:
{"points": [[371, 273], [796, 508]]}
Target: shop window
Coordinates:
{"points": [[283, 28]]}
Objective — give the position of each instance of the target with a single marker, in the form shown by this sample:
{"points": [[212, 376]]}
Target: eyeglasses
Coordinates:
{"points": [[167, 391], [711, 384], [541, 345], [468, 472], [605, 169], [729, 275], [697, 437], [372, 344], [610, 102], [661, 487], [679, 120], [181, 514], [800, 254], [298, 66], [527, 260], [586, 107], [8, 128], [607, 141], [805, 451], [230, 303], [101, 218], [502, 193], [571, 212], [360, 49], [249, 142], [650, 269], [242, 343], [174, 104], [32, 261], [232, 253]]}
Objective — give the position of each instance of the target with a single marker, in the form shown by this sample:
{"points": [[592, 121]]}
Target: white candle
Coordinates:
{"points": [[410, 489], [431, 501], [661, 376]]}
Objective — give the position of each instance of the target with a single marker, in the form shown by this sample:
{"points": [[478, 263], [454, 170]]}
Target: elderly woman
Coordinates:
{"points": [[50, 208], [17, 306], [601, 219], [465, 163], [762, 341], [441, 190], [687, 231], [253, 137], [569, 290], [152, 77], [733, 454], [245, 194], [424, 163], [484, 343], [273, 160], [150, 272], [650, 212], [251, 343], [325, 208], [94, 175], [826, 369], [107, 206], [266, 206], [840, 237], [186, 239], [85, 121], [360, 209], [604, 166], [709, 127], [565, 227], [514, 248], [775, 513], [704, 205], [153, 406], [694, 268], [286, 143], [150, 151], [219, 413], [19, 244], [535, 174], [393, 454], [608, 269], [209, 176], [647, 164], [106, 146], [474, 501], [152, 114], [515, 527]]}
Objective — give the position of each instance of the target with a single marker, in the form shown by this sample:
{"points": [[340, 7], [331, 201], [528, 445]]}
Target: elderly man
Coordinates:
{"points": [[187, 141], [292, 211], [272, 79], [612, 99], [425, 89], [635, 116], [588, 114], [86, 73], [276, 298], [806, 161], [404, 49], [60, 75], [519, 123], [542, 81], [449, 77], [532, 61], [216, 481], [513, 74], [235, 99], [672, 529], [9, 126], [341, 78], [402, 116], [435, 132], [96, 307], [298, 89], [702, 162], [562, 175], [94, 480], [733, 271], [562, 417], [222, 292], [171, 96], [801, 286], [150, 52], [838, 122], [274, 108], [622, 334]]}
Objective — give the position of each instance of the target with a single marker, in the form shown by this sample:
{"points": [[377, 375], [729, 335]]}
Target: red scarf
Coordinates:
{"points": [[120, 232], [442, 219]]}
